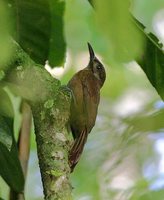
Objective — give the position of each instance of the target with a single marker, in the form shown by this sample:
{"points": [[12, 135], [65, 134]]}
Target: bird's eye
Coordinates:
{"points": [[98, 67]]}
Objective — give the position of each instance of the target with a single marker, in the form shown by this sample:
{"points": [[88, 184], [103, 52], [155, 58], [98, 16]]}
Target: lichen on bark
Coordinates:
{"points": [[50, 104], [53, 144]]}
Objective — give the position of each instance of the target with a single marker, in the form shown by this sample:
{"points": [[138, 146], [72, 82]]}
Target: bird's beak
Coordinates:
{"points": [[91, 52]]}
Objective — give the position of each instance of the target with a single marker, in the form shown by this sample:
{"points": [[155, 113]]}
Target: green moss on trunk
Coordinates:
{"points": [[50, 105], [53, 144]]}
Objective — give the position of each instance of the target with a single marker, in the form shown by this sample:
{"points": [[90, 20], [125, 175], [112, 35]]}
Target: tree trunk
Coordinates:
{"points": [[53, 144], [50, 105]]}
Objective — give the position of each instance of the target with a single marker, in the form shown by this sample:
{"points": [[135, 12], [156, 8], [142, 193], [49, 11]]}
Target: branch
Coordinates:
{"points": [[24, 137], [50, 119], [50, 105]]}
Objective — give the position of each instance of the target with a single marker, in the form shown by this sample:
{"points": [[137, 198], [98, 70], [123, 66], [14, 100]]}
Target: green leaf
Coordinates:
{"points": [[5, 134], [152, 60], [5, 30], [57, 43], [147, 123], [10, 168], [39, 29], [6, 107], [144, 193], [124, 41], [6, 115], [91, 2]]}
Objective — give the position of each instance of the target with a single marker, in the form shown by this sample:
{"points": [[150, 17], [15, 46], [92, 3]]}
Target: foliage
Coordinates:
{"points": [[38, 27], [152, 60], [112, 20], [10, 168]]}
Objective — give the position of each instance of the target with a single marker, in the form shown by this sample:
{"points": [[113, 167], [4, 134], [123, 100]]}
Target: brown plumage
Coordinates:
{"points": [[85, 86]]}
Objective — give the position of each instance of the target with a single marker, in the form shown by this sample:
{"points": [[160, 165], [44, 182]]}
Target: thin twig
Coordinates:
{"points": [[24, 137]]}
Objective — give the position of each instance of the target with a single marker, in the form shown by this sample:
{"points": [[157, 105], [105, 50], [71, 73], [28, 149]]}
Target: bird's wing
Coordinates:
{"points": [[76, 118], [75, 85], [91, 98]]}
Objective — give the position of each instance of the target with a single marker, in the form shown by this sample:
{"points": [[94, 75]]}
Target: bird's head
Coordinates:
{"points": [[96, 66]]}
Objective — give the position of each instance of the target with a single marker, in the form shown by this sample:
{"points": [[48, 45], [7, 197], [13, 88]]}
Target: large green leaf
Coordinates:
{"points": [[10, 168], [146, 194], [124, 41], [152, 60], [6, 115], [5, 30], [6, 107], [5, 133], [146, 123], [91, 2], [57, 42], [39, 29]]}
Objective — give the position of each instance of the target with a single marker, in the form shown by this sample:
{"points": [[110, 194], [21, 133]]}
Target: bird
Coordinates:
{"points": [[85, 87]]}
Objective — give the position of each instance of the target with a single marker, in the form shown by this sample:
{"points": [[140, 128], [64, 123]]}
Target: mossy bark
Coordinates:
{"points": [[53, 144], [50, 104]]}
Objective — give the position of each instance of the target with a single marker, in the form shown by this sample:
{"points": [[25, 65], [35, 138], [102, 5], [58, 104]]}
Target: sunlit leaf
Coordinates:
{"points": [[152, 60], [5, 30], [6, 107], [57, 43], [147, 123], [10, 168], [39, 29], [146, 194], [91, 2], [6, 113], [115, 22], [5, 134]]}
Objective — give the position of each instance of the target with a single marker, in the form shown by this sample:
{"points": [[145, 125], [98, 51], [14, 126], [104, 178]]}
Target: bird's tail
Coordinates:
{"points": [[77, 149]]}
